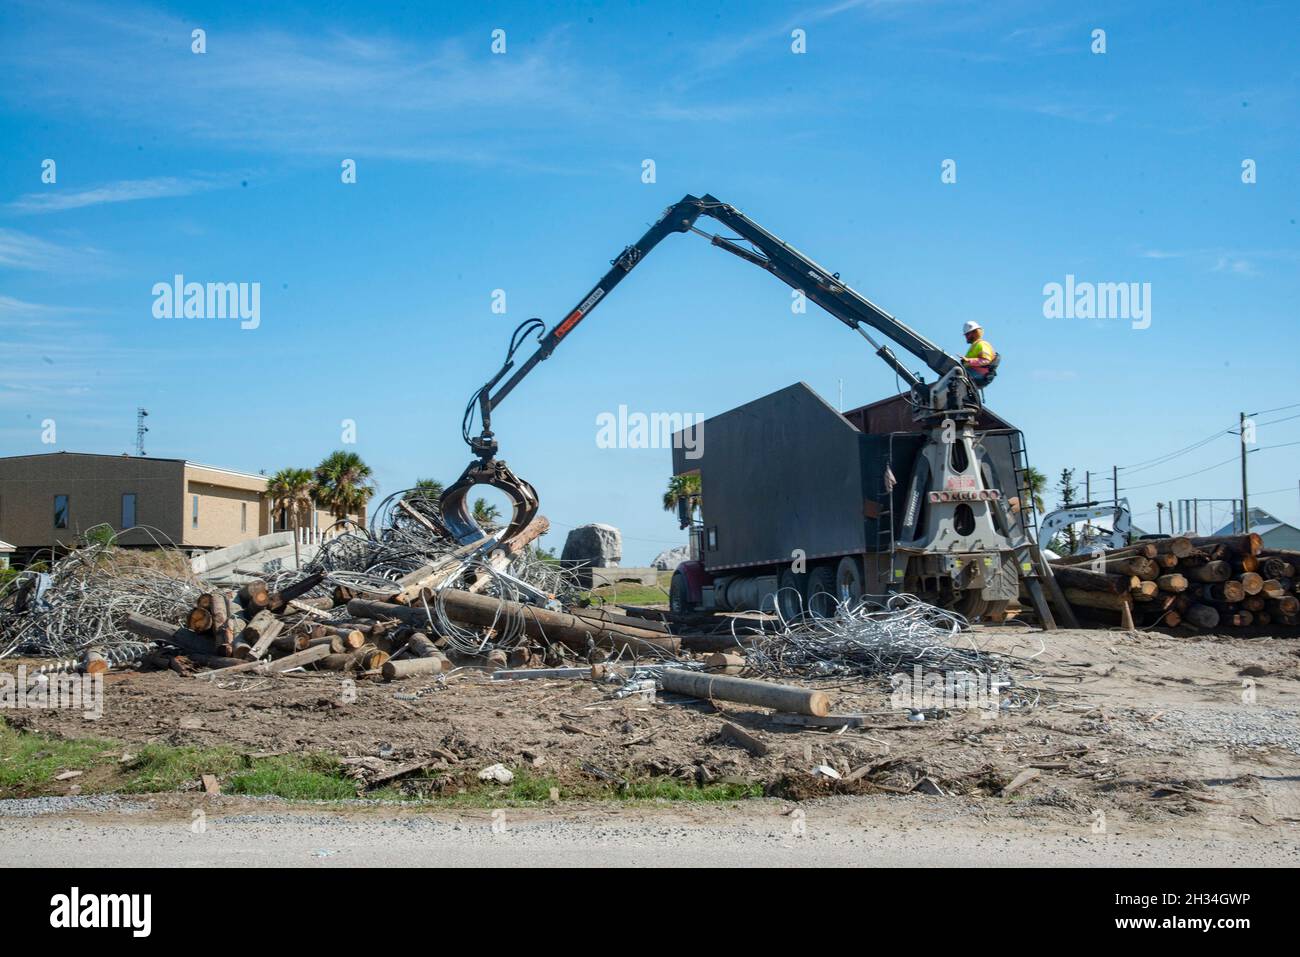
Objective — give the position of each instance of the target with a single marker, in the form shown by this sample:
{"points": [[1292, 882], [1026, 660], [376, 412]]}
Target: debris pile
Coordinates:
{"points": [[1227, 581]]}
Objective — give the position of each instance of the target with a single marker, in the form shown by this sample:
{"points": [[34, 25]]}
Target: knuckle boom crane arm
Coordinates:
{"points": [[952, 396]]}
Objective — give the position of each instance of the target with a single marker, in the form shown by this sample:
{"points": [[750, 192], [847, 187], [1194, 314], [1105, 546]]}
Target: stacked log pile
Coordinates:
{"points": [[1202, 584]]}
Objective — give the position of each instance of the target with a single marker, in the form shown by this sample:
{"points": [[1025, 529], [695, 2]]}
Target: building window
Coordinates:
{"points": [[243, 516], [60, 511], [128, 510], [194, 512]]}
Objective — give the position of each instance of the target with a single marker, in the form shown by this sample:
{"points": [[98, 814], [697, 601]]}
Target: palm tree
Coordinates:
{"points": [[343, 484], [680, 487], [1035, 483], [292, 491], [485, 514], [430, 489]]}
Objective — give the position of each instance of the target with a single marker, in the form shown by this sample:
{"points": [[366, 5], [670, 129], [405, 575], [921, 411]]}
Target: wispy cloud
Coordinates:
{"points": [[262, 89], [20, 250], [16, 313], [1237, 262], [55, 199]]}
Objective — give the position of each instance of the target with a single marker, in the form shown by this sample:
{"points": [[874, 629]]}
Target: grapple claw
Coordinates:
{"points": [[454, 503]]}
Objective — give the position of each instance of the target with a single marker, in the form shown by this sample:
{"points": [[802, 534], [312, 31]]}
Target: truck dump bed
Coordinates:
{"points": [[787, 471]]}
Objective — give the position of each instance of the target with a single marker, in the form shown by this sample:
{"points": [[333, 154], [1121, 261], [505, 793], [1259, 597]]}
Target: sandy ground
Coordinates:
{"points": [[850, 832], [1192, 745]]}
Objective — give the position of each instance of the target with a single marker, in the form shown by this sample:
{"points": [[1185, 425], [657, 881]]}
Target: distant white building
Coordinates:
{"points": [[6, 552], [1274, 532]]}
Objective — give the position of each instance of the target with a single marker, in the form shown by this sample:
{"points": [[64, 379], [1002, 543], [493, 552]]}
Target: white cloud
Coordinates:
{"points": [[20, 250], [55, 199]]}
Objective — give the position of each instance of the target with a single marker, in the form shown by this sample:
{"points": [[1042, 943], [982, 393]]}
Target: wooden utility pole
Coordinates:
{"points": [[1245, 502]]}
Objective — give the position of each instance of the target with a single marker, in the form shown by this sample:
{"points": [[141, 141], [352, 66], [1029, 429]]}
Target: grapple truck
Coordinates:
{"points": [[930, 507]]}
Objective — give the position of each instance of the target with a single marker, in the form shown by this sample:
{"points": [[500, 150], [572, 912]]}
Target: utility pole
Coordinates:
{"points": [[1245, 502], [1160, 519], [140, 430]]}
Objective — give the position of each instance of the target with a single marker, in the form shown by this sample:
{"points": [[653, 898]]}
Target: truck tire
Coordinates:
{"points": [[821, 592], [848, 580], [679, 595], [792, 597]]}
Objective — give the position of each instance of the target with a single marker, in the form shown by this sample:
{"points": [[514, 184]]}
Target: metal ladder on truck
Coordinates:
{"points": [[1034, 569]]}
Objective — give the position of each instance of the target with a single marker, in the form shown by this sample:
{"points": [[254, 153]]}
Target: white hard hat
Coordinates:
{"points": [[970, 327]]}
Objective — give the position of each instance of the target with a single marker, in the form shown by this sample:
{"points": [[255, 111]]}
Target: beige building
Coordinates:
{"points": [[51, 500]]}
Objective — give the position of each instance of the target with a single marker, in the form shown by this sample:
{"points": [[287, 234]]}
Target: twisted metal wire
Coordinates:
{"points": [[868, 639]]}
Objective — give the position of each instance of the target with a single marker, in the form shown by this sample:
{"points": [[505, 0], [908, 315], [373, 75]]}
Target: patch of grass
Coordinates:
{"points": [[313, 777], [29, 762], [630, 593], [164, 767]]}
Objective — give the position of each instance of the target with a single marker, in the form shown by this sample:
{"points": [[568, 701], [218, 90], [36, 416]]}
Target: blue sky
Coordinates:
{"points": [[522, 171]]}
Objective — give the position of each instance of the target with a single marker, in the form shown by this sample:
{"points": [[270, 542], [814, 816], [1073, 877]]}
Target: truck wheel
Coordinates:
{"points": [[678, 595], [793, 594], [971, 606], [821, 592], [848, 580], [996, 612]]}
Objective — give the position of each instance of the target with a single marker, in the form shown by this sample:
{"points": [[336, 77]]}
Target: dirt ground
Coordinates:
{"points": [[1139, 730]]}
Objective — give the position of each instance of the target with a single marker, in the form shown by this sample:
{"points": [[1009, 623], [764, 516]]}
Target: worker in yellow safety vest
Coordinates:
{"points": [[981, 358]]}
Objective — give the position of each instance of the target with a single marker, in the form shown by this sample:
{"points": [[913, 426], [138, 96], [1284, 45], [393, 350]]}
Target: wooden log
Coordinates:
{"points": [[157, 630], [296, 660], [1271, 566], [204, 601], [501, 557], [261, 631], [254, 595], [1229, 591], [1172, 582], [279, 601], [199, 619], [1094, 559], [1252, 582], [1272, 588], [369, 658], [1092, 599], [1239, 618], [1219, 571], [431, 575], [1172, 618], [722, 663], [420, 646], [746, 691], [539, 623], [1255, 603], [334, 662], [1085, 579], [1236, 545], [1146, 569], [1284, 606], [1144, 590], [1246, 563], [411, 667], [1202, 616], [219, 607], [93, 662]]}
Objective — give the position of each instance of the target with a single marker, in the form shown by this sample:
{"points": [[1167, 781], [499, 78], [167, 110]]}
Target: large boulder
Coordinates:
{"points": [[669, 559], [599, 546]]}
